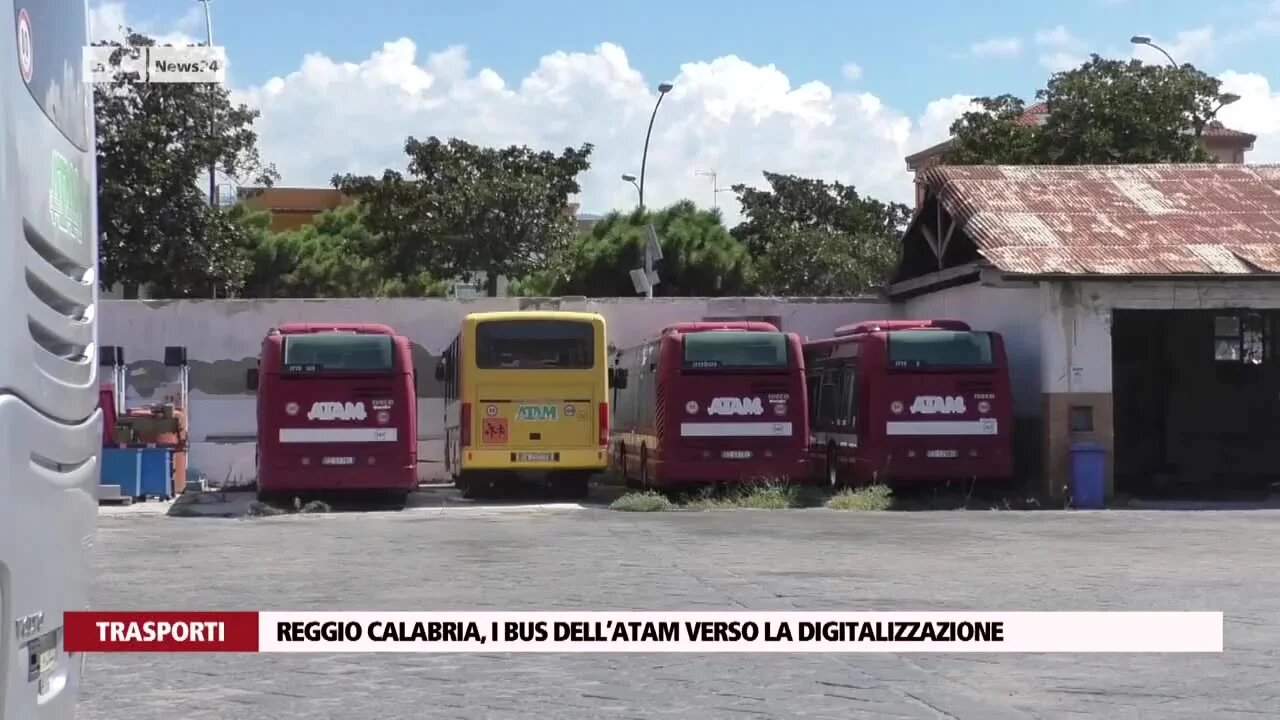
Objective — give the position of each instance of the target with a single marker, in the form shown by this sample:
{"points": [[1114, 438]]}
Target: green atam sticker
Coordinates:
{"points": [[537, 412], [66, 197]]}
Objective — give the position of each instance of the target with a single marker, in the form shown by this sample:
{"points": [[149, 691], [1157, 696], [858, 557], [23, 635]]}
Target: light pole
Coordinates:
{"points": [[627, 177], [213, 185], [1224, 99], [1146, 40], [663, 89]]}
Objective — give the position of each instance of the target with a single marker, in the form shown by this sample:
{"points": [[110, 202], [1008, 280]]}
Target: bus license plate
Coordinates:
{"points": [[338, 461], [534, 457], [736, 454], [942, 453]]}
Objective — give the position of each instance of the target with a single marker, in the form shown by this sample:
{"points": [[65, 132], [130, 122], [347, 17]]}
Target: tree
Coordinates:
{"points": [[813, 237], [1103, 112], [155, 142], [334, 257], [467, 210], [700, 257]]}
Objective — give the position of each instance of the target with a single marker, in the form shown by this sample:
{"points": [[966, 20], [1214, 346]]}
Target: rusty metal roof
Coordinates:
{"points": [[1167, 219]]}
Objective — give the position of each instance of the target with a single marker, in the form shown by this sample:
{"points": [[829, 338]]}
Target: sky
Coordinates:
{"points": [[838, 89]]}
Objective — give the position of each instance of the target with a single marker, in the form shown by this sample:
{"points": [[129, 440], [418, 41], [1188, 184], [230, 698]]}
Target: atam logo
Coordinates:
{"points": [[735, 406], [337, 411], [935, 405]]}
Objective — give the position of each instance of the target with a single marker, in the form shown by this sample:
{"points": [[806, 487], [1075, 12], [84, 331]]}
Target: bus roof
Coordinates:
{"points": [[534, 315], [304, 328], [872, 326], [705, 326]]}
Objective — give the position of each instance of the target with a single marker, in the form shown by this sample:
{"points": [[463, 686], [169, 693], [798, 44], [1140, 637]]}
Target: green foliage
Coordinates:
{"points": [[813, 237], [466, 210], [1103, 112], [334, 257], [155, 142], [700, 257]]}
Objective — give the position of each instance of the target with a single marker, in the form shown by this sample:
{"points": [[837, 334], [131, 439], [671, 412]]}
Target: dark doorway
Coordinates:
{"points": [[1197, 402]]}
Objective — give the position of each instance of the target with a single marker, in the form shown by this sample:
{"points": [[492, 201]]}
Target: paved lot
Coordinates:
{"points": [[437, 556]]}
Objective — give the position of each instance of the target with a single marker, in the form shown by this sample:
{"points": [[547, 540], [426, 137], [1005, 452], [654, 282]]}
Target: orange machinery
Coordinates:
{"points": [[158, 425]]}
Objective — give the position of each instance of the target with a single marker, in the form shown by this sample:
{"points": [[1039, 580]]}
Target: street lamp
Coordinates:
{"points": [[1146, 40], [627, 177], [663, 89]]}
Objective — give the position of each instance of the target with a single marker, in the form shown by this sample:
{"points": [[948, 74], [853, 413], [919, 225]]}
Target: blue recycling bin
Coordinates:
{"points": [[1088, 476]]}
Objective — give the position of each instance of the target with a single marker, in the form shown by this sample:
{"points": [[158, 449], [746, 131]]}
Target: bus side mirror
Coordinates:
{"points": [[251, 379], [175, 356], [618, 378], [415, 380], [440, 371]]}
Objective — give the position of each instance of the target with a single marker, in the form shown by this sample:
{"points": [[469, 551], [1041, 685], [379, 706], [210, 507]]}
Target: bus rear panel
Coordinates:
{"points": [[526, 393], [50, 420], [908, 402], [337, 410], [712, 404]]}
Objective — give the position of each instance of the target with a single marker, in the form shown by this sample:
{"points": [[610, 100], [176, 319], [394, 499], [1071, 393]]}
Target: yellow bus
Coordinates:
{"points": [[526, 392]]}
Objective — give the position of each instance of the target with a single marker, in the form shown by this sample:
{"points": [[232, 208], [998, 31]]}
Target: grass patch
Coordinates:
{"points": [[872, 498], [760, 496], [642, 502]]}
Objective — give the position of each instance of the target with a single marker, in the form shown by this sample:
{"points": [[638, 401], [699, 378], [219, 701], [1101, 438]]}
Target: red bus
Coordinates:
{"points": [[337, 410], [902, 401], [710, 402]]}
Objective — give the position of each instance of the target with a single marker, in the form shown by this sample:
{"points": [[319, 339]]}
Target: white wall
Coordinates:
{"points": [[1012, 311], [223, 337]]}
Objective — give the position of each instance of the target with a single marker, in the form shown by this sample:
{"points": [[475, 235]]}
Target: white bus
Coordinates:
{"points": [[50, 422]]}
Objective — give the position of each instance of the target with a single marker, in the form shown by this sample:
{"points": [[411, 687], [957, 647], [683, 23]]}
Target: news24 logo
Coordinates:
{"points": [[107, 64]]}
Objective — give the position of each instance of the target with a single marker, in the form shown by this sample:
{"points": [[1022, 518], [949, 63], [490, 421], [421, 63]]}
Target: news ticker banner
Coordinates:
{"points": [[654, 632], [155, 64]]}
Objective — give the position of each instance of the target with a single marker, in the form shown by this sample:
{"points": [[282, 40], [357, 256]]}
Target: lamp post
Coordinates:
{"points": [[663, 89], [1146, 40], [208, 26], [626, 177], [1224, 99]]}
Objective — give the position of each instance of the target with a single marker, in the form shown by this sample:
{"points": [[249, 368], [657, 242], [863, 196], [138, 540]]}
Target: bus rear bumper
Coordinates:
{"points": [[594, 459], [318, 479], [702, 472]]}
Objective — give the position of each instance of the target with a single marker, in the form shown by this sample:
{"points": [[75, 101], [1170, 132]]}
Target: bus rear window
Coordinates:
{"points": [[939, 348], [731, 349], [535, 345], [338, 352], [58, 31]]}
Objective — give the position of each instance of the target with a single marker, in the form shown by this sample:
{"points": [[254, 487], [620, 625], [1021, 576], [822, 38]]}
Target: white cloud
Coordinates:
{"points": [[851, 71], [1257, 112], [1189, 46], [996, 47], [107, 21], [1060, 50]]}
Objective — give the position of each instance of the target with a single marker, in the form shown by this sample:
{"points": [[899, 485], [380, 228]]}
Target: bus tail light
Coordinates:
{"points": [[465, 422], [604, 423]]}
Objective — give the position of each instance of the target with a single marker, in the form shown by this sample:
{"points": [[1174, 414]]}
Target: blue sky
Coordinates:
{"points": [[840, 89], [907, 58]]}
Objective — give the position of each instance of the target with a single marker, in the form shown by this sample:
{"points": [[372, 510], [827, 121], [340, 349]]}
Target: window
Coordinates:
{"points": [[338, 351], [58, 34], [939, 348], [535, 345], [1239, 338], [829, 397], [735, 349]]}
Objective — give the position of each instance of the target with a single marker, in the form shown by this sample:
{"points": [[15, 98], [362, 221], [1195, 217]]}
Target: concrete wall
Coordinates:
{"points": [[223, 338]]}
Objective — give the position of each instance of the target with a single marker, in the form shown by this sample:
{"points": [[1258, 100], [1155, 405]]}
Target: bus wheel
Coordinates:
{"points": [[833, 471]]}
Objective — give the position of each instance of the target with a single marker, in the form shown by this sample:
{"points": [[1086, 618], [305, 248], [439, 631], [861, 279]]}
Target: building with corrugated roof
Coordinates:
{"points": [[1139, 303]]}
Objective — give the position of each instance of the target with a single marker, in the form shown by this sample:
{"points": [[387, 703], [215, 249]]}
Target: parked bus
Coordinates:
{"points": [[526, 392], [910, 401], [337, 411], [50, 420], [711, 402]]}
